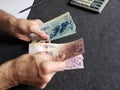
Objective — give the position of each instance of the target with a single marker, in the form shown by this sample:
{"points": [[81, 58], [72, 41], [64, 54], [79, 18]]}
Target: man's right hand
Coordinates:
{"points": [[35, 70]]}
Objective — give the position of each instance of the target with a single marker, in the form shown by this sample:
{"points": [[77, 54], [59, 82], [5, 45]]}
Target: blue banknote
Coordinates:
{"points": [[58, 27]]}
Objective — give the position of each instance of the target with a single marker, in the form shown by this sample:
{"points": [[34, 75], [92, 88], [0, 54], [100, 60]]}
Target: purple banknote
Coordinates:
{"points": [[74, 63]]}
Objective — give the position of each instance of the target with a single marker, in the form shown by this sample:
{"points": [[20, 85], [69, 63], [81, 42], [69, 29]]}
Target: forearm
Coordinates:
{"points": [[6, 20], [7, 76]]}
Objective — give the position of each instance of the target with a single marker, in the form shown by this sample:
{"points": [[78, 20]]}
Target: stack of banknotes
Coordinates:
{"points": [[58, 28]]}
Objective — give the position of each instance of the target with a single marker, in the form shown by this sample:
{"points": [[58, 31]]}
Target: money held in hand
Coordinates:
{"points": [[72, 50], [57, 28]]}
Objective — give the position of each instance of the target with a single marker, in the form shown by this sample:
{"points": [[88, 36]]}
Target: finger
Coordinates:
{"points": [[47, 78], [27, 40], [57, 66], [39, 22], [39, 33], [51, 67], [59, 58], [43, 35], [24, 38], [48, 41], [42, 86]]}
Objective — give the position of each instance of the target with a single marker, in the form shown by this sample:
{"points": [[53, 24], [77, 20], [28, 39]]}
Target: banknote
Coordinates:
{"points": [[59, 27], [74, 63], [70, 49]]}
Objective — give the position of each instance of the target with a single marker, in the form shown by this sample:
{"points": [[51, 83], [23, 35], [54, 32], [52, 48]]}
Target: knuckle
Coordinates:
{"points": [[45, 68], [32, 56], [31, 28], [39, 21]]}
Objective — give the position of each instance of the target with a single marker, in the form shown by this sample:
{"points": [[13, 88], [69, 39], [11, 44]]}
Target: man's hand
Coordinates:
{"points": [[21, 28], [36, 70]]}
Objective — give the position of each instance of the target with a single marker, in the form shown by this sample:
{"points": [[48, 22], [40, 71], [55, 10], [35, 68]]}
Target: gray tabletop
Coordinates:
{"points": [[101, 33]]}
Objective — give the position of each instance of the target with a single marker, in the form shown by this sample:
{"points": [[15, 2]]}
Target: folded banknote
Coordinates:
{"points": [[70, 49], [57, 28]]}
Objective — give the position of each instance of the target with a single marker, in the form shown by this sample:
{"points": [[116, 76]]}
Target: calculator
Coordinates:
{"points": [[94, 5]]}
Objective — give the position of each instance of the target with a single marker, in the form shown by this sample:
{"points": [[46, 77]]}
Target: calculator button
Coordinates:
{"points": [[95, 5]]}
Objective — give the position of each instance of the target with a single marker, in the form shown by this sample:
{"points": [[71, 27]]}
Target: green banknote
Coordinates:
{"points": [[58, 27]]}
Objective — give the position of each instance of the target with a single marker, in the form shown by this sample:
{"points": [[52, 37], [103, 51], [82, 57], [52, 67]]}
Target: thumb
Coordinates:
{"points": [[59, 58], [39, 33], [24, 37]]}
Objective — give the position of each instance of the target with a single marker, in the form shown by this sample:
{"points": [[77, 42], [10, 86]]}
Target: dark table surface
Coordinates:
{"points": [[101, 33]]}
